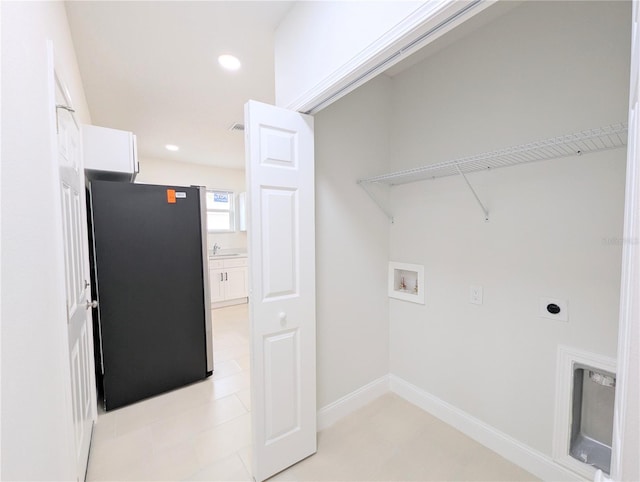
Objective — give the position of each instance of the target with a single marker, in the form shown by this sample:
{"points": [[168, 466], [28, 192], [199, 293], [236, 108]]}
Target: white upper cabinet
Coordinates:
{"points": [[109, 154]]}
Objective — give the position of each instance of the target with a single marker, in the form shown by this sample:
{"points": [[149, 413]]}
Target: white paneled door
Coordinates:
{"points": [[74, 224], [280, 181]]}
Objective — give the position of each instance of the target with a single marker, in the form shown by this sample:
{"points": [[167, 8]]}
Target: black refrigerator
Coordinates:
{"points": [[152, 325]]}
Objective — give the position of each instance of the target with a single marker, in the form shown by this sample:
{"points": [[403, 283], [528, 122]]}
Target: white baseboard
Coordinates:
{"points": [[348, 404], [511, 449]]}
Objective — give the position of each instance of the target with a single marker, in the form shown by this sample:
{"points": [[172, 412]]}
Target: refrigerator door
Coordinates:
{"points": [[150, 284]]}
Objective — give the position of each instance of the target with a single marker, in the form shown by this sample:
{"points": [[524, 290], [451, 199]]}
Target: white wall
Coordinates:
{"points": [[543, 69], [36, 412], [155, 171], [317, 38], [352, 243]]}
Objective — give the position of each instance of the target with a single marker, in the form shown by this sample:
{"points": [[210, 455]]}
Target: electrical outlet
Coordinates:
{"points": [[554, 309], [475, 295]]}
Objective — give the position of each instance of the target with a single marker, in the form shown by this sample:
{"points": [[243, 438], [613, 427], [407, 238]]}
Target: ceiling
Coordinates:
{"points": [[150, 67]]}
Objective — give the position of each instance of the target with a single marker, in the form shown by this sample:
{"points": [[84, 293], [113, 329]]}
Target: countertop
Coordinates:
{"points": [[227, 255]]}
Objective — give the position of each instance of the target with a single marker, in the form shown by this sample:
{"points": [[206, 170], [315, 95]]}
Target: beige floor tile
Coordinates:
{"points": [[111, 473], [174, 430], [110, 458], [105, 427], [146, 412], [489, 466], [224, 440], [226, 386], [245, 398], [245, 454], [227, 469], [226, 368], [390, 439], [174, 463], [229, 352], [245, 362], [359, 417]]}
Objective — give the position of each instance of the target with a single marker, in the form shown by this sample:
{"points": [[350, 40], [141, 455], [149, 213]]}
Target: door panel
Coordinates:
{"points": [[280, 177], [279, 242], [278, 147], [282, 392], [72, 193]]}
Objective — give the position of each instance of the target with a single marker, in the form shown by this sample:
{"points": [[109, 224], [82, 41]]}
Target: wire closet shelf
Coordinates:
{"points": [[576, 144]]}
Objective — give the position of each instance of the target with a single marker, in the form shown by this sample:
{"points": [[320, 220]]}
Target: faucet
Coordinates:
{"points": [[216, 248]]}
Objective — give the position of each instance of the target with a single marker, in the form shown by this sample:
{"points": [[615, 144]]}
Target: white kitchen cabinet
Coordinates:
{"points": [[109, 154], [216, 285], [229, 281], [236, 282]]}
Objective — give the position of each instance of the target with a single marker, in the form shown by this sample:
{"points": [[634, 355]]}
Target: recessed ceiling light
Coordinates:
{"points": [[229, 62], [171, 147]]}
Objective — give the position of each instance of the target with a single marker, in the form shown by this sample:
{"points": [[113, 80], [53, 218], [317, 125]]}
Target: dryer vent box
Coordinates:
{"points": [[592, 417]]}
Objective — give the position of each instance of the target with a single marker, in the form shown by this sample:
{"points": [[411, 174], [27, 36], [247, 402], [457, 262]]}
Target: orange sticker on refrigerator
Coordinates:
{"points": [[171, 196]]}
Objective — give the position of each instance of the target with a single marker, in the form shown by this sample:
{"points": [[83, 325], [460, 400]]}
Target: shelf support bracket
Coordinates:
{"points": [[380, 205], [484, 210]]}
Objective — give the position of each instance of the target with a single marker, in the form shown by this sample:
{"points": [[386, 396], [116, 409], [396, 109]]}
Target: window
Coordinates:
{"points": [[220, 211]]}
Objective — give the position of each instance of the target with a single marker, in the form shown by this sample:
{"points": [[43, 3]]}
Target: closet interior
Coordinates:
{"points": [[517, 262]]}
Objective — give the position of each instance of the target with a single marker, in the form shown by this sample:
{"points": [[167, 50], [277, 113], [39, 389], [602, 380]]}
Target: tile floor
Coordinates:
{"points": [[391, 439], [202, 432]]}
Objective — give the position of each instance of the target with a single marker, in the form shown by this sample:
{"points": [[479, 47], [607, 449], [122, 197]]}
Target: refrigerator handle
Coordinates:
{"points": [[205, 279]]}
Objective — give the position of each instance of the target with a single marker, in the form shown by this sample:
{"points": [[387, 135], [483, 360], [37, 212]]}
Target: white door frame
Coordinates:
{"points": [[626, 417]]}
